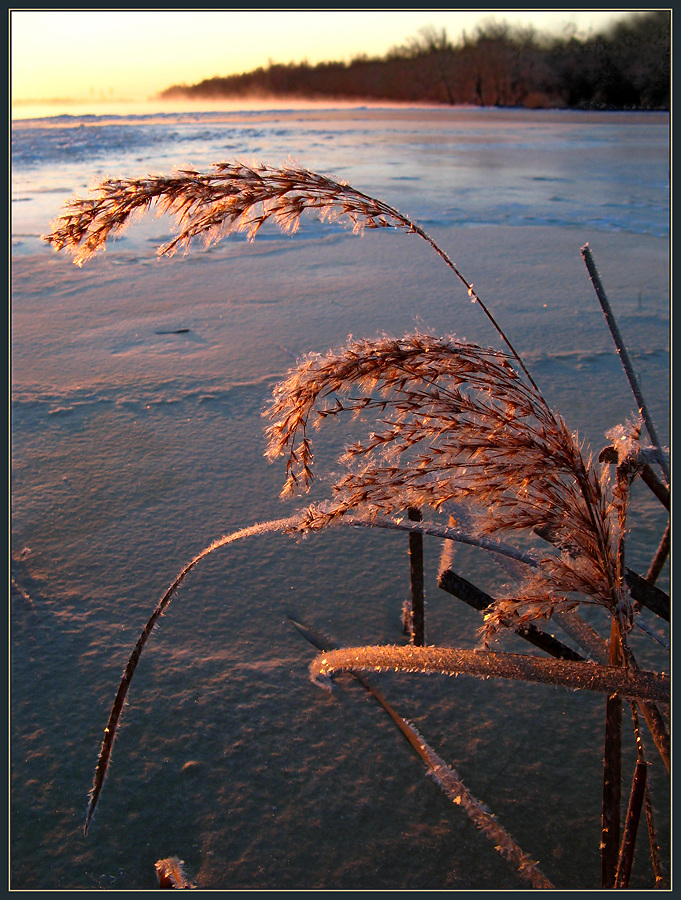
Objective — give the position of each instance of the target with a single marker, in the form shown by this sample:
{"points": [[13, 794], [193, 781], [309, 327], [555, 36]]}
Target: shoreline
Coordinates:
{"points": [[252, 107]]}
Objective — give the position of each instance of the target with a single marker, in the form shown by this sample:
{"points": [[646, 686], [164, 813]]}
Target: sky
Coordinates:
{"points": [[134, 54]]}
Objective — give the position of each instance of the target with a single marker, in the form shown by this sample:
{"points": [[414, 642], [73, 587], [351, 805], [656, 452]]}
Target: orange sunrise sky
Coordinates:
{"points": [[115, 55]]}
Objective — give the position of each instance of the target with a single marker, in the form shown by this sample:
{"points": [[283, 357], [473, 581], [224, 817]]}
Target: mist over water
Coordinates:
{"points": [[138, 386], [102, 107]]}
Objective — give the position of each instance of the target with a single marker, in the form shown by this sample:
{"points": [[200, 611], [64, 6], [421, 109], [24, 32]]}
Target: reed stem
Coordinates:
{"points": [[448, 780], [488, 664], [612, 771], [464, 590], [660, 557], [636, 799], [624, 355], [418, 612]]}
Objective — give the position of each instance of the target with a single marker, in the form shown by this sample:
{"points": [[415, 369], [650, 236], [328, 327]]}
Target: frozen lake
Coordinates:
{"points": [[137, 438]]}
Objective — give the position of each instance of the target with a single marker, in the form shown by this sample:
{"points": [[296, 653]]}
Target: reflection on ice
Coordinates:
{"points": [[462, 167]]}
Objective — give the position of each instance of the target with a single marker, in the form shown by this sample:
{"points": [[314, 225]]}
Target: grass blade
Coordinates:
{"points": [[660, 558]]}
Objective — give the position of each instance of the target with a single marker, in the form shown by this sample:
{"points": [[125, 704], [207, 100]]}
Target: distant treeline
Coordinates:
{"points": [[626, 67]]}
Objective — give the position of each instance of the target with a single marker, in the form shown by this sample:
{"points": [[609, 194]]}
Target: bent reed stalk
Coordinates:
{"points": [[448, 780], [124, 686], [289, 525], [588, 676], [455, 423], [234, 197]]}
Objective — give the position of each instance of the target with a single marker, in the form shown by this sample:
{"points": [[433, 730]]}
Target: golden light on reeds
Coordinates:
{"points": [[446, 422]]}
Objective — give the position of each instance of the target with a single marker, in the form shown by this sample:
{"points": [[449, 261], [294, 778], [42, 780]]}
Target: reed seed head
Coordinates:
{"points": [[453, 422], [232, 197]]}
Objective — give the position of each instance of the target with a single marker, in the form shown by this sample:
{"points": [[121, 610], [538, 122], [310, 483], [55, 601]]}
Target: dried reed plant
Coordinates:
{"points": [[171, 873], [454, 423], [458, 423], [233, 197]]}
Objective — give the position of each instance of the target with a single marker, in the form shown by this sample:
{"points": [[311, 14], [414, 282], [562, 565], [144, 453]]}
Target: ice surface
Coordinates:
{"points": [[138, 386]]}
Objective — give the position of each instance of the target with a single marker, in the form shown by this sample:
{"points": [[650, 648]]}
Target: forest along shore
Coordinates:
{"points": [[625, 67]]}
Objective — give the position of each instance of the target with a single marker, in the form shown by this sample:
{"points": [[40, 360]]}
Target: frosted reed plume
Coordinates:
{"points": [[171, 873], [234, 197], [456, 422]]}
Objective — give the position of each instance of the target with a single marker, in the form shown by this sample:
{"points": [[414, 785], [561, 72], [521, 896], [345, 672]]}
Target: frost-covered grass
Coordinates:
{"points": [[462, 432]]}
